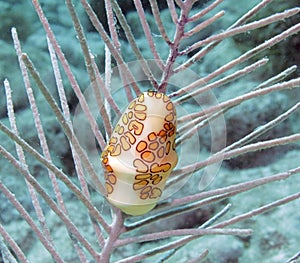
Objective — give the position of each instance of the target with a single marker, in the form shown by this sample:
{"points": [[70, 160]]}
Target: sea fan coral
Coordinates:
{"points": [[231, 108]]}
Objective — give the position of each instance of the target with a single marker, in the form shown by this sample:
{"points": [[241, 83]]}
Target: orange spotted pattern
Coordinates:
{"points": [[140, 154]]}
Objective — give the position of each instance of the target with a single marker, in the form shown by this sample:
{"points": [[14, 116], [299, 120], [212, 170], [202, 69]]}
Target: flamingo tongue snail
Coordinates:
{"points": [[140, 154]]}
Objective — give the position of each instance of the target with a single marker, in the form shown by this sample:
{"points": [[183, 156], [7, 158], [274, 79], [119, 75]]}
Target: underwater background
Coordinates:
{"points": [[276, 233]]}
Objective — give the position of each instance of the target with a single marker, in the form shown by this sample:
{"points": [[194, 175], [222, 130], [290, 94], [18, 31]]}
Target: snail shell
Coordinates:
{"points": [[140, 154]]}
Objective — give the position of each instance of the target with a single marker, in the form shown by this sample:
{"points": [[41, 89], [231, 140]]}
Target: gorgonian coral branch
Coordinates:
{"points": [[69, 73]]}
